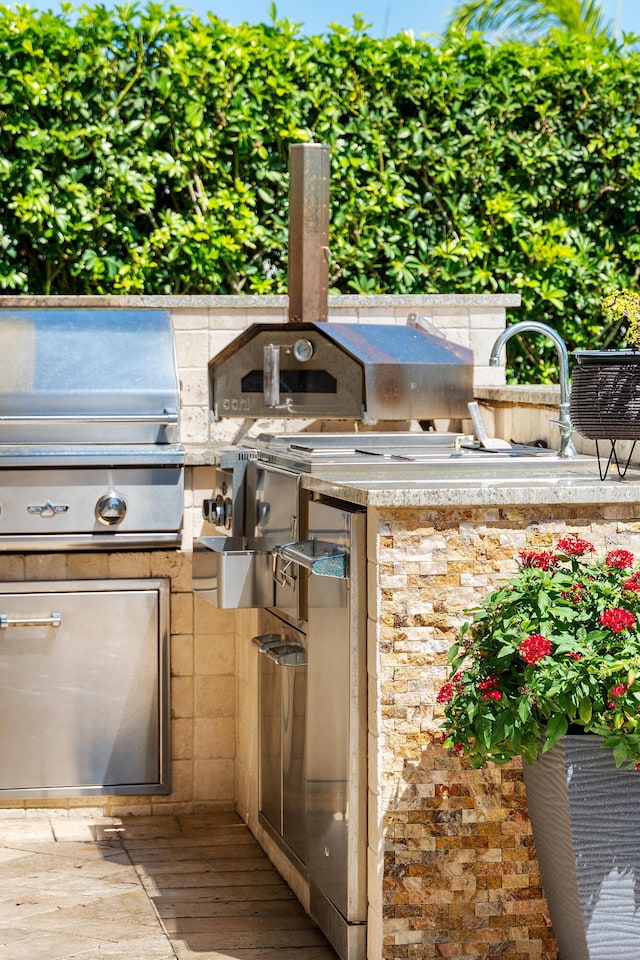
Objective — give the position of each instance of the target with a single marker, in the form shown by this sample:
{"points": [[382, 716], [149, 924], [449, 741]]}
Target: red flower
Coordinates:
{"points": [[446, 693], [534, 648], [633, 583], [617, 619], [492, 695], [619, 558], [458, 749], [489, 688], [543, 559], [618, 690], [575, 546], [574, 656]]}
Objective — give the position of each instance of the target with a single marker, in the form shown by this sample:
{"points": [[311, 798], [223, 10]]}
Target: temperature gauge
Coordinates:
{"points": [[303, 350]]}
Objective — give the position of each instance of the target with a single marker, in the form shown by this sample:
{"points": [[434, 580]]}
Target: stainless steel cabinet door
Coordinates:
{"points": [[283, 697], [83, 688], [337, 720]]}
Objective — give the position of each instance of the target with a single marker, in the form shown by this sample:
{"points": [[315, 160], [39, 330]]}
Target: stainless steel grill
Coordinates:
{"points": [[89, 430]]}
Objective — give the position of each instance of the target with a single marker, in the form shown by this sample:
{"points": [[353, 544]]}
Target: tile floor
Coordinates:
{"points": [[156, 888]]}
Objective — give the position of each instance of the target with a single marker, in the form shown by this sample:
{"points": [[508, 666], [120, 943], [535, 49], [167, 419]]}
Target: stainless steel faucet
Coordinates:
{"points": [[567, 448]]}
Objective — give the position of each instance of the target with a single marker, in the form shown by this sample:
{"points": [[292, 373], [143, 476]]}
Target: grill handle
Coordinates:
{"points": [[317, 556], [6, 621], [168, 417]]}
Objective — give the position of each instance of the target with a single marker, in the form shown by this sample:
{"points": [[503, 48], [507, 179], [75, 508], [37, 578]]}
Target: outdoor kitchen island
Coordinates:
{"points": [[451, 865]]}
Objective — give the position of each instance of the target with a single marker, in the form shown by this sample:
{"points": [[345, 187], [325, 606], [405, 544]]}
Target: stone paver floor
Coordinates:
{"points": [[146, 888]]}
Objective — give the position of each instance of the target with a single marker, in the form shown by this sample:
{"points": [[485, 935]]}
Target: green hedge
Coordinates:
{"points": [[144, 152]]}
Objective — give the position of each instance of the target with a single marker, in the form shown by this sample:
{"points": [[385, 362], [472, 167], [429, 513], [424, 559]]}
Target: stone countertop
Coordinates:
{"points": [[491, 482], [203, 455], [568, 482]]}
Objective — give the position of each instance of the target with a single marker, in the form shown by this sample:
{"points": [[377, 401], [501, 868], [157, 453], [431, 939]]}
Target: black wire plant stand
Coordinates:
{"points": [[621, 464]]}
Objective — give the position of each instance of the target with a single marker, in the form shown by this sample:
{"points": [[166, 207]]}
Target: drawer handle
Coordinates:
{"points": [[52, 621], [288, 655], [265, 641]]}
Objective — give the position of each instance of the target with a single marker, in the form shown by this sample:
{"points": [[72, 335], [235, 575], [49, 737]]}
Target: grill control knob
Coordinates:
{"points": [[111, 509]]}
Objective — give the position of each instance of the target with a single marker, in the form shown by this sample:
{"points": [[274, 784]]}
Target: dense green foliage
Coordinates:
{"points": [[147, 152]]}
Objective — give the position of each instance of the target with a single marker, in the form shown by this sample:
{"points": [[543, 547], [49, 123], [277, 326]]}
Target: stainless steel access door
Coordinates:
{"points": [[283, 695], [337, 735], [83, 688]]}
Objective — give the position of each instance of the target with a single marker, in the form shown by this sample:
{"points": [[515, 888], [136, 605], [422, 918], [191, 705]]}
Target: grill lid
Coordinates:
{"points": [[87, 376], [368, 372]]}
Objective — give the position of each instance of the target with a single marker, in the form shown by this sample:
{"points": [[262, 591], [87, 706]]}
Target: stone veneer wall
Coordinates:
{"points": [[460, 877]]}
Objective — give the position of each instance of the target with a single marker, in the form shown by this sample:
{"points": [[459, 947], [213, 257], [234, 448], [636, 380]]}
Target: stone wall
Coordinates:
{"points": [[460, 877]]}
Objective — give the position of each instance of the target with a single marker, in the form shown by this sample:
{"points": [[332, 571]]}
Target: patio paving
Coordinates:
{"points": [[146, 888]]}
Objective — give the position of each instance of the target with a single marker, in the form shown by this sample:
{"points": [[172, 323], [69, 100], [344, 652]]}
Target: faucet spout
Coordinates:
{"points": [[567, 448]]}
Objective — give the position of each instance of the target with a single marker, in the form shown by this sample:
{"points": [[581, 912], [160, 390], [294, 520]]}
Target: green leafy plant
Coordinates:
{"points": [[144, 151], [625, 305], [556, 648]]}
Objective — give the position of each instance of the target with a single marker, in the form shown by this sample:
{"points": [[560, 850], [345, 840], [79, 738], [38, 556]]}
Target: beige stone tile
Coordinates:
{"points": [[215, 738], [191, 951], [192, 347], [213, 779], [150, 828], [182, 613], [214, 696], [131, 806], [181, 780], [129, 565], [194, 424], [12, 568], [45, 566], [214, 654], [77, 829], [182, 739], [181, 655], [215, 888], [25, 831], [88, 566], [181, 697], [194, 387], [173, 564], [190, 318], [210, 620], [219, 339]]}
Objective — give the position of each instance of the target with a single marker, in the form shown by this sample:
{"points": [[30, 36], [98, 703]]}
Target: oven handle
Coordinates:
{"points": [[6, 621], [317, 556], [168, 417]]}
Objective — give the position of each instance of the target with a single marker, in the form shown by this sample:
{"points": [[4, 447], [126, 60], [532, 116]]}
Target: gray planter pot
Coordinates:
{"points": [[585, 815]]}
